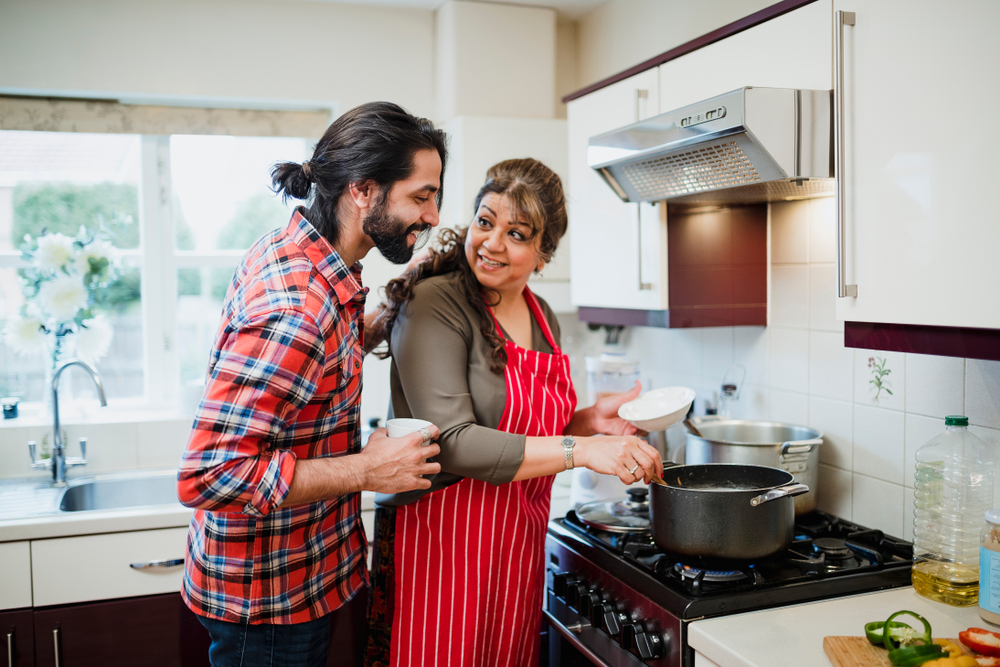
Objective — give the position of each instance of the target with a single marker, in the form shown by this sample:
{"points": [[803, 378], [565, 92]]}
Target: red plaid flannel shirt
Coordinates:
{"points": [[284, 382]]}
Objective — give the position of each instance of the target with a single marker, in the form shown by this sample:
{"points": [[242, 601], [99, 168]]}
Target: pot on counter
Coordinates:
{"points": [[792, 448], [722, 510]]}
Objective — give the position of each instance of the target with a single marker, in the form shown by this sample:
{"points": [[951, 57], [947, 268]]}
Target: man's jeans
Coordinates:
{"points": [[266, 645]]}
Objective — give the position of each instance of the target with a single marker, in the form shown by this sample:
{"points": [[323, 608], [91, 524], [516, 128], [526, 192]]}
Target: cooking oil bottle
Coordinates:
{"points": [[952, 491]]}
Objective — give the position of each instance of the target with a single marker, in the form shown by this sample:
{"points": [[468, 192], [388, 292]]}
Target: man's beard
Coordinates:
{"points": [[389, 232]]}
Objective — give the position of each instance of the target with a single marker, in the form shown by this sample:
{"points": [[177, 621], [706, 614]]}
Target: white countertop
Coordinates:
{"points": [[795, 634], [40, 518]]}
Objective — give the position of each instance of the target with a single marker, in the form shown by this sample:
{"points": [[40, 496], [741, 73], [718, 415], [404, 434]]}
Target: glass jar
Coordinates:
{"points": [[989, 569]]}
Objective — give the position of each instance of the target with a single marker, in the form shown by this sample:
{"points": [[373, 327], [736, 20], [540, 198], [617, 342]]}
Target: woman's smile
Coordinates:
{"points": [[490, 264]]}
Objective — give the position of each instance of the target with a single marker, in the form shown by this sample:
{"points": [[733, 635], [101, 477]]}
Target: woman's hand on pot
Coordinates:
{"points": [[626, 456], [603, 415]]}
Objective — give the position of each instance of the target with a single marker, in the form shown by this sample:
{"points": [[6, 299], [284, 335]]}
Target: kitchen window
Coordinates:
{"points": [[182, 207]]}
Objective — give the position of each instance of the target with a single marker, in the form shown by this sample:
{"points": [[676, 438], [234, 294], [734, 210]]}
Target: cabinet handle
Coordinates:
{"points": [[640, 94], [642, 286], [55, 644], [843, 19], [157, 563], [10, 649]]}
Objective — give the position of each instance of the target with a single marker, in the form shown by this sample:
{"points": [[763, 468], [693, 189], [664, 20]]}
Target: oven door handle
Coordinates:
{"points": [[574, 639]]}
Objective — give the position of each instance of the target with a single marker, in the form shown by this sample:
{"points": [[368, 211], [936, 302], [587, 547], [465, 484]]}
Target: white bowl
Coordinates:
{"points": [[659, 409]]}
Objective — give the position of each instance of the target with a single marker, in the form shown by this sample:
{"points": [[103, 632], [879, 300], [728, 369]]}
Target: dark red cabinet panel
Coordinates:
{"points": [[154, 631], [18, 638]]}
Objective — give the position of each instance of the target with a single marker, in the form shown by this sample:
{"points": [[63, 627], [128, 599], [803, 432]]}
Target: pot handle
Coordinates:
{"points": [[779, 492], [800, 446]]}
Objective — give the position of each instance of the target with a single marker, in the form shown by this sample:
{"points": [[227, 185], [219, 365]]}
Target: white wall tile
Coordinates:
{"points": [[110, 447], [754, 404], [790, 232], [822, 230], [823, 298], [982, 392], [14, 459], [717, 355], [789, 359], [919, 430], [895, 381], [835, 492], [750, 350], [686, 354], [992, 438], [789, 407], [831, 372], [789, 296], [935, 386], [836, 420], [907, 515], [878, 443], [878, 504], [161, 444]]}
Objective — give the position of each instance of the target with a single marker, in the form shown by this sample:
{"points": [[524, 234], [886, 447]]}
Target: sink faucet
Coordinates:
{"points": [[58, 463]]}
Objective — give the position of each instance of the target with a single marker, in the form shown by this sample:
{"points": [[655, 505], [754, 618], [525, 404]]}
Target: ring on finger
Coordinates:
{"points": [[632, 470], [425, 433]]}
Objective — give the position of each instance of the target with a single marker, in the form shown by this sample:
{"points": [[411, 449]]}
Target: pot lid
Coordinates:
{"points": [[619, 515]]}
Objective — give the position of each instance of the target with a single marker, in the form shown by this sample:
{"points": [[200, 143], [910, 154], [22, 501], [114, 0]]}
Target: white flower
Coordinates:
{"points": [[54, 250], [97, 251], [63, 296], [25, 335], [93, 339]]}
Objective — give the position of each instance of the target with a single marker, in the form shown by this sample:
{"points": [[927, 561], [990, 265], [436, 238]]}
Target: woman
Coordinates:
{"points": [[459, 572]]}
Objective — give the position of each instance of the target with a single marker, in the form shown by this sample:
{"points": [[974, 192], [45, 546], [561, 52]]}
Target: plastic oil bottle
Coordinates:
{"points": [[952, 491]]}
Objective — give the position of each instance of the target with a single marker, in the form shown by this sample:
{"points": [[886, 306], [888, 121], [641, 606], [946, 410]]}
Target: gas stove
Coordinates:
{"points": [[620, 600]]}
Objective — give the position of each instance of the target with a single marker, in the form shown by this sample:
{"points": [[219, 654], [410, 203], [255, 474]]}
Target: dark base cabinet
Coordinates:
{"points": [[154, 631], [18, 639]]}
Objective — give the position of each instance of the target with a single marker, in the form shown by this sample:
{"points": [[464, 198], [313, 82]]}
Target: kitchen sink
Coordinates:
{"points": [[120, 492]]}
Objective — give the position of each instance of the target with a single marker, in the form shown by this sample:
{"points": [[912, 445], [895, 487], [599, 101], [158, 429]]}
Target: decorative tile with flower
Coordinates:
{"points": [[880, 372], [59, 318]]}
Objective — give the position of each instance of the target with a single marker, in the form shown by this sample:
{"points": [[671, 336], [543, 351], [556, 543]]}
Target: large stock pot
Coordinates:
{"points": [[792, 448]]}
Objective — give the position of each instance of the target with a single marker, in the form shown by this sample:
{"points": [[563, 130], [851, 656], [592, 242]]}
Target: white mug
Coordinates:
{"points": [[399, 427]]}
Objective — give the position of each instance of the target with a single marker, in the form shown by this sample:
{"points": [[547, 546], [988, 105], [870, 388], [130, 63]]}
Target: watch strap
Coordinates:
{"points": [[568, 443]]}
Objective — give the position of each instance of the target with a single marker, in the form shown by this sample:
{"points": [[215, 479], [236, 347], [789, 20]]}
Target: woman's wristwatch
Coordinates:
{"points": [[568, 443]]}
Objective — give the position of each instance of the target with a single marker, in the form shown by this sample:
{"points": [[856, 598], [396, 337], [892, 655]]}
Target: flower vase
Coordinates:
{"points": [[61, 349]]}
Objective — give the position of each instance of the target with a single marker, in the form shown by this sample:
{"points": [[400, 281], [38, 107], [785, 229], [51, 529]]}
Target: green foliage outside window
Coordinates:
{"points": [[254, 217]]}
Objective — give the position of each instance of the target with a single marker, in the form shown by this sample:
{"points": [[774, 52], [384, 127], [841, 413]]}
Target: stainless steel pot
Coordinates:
{"points": [[722, 510], [794, 449]]}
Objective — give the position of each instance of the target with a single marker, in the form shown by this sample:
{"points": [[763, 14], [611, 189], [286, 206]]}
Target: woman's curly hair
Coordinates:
{"points": [[536, 196]]}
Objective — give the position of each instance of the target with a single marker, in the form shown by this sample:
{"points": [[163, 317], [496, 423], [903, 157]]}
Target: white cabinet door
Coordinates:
{"points": [[922, 236], [15, 582], [608, 249], [791, 51]]}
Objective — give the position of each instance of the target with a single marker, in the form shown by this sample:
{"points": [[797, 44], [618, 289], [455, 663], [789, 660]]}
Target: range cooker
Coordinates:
{"points": [[617, 599]]}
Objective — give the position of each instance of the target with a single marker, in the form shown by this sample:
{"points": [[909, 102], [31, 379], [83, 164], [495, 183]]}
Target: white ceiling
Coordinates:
{"points": [[572, 9]]}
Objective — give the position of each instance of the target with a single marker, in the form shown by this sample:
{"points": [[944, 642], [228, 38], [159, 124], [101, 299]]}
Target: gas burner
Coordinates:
{"points": [[835, 553], [688, 572]]}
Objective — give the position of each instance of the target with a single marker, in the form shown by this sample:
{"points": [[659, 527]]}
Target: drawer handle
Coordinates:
{"points": [[55, 644], [10, 649], [157, 564]]}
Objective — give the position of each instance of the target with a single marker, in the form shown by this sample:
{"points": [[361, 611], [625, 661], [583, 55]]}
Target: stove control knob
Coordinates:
{"points": [[574, 592], [630, 630], [560, 581], [612, 620], [589, 601]]}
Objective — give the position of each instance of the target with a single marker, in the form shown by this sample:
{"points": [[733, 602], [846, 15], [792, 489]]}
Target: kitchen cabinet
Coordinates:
{"points": [[920, 231], [158, 631], [618, 251], [18, 636], [15, 584], [791, 51]]}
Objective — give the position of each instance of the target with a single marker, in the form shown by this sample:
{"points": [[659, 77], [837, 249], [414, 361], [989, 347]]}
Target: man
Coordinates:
{"points": [[274, 465]]}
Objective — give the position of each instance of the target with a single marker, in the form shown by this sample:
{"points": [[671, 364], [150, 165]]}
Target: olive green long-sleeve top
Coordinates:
{"points": [[441, 372]]}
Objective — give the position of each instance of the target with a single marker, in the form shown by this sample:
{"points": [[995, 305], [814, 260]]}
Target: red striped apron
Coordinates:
{"points": [[469, 558]]}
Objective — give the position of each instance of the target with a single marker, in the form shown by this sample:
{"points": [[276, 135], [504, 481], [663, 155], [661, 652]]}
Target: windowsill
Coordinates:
{"points": [[116, 412]]}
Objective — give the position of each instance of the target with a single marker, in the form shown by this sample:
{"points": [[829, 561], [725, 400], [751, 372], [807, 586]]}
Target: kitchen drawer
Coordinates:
{"points": [[96, 567], [15, 584]]}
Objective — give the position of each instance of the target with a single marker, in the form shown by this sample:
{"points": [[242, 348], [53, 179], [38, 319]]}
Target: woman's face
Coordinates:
{"points": [[498, 248]]}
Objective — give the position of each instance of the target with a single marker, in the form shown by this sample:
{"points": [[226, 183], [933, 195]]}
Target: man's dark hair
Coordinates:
{"points": [[375, 141]]}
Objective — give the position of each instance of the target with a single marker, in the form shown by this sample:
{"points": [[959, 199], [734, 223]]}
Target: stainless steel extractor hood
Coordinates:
{"points": [[749, 145]]}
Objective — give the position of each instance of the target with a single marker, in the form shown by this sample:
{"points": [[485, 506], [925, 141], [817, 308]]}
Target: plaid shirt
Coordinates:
{"points": [[284, 382]]}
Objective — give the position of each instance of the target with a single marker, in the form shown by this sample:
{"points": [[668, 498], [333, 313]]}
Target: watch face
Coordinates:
{"points": [[568, 441]]}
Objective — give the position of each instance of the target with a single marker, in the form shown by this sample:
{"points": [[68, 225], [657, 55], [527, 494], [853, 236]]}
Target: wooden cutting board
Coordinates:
{"points": [[859, 652]]}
